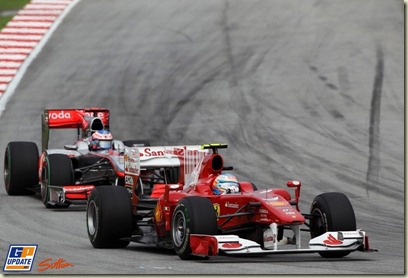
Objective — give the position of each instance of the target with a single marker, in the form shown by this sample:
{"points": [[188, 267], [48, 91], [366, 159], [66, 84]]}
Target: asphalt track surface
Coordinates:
{"points": [[309, 90]]}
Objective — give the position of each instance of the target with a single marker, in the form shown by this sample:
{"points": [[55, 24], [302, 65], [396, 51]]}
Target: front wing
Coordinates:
{"points": [[69, 194], [208, 245]]}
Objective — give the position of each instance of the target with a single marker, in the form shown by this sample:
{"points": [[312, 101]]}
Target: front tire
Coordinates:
{"points": [[20, 168], [192, 215], [57, 170], [331, 212], [109, 217]]}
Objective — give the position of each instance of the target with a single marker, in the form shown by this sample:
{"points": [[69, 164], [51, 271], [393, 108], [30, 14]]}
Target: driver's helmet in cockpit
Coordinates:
{"points": [[224, 184], [101, 140]]}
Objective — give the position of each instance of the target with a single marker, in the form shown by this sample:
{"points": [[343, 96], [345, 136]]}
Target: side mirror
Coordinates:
{"points": [[294, 184], [297, 185]]}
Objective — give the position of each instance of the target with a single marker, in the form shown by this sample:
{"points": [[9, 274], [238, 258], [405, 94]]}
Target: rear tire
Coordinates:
{"points": [[20, 168], [57, 170], [331, 212], [192, 215], [109, 217]]}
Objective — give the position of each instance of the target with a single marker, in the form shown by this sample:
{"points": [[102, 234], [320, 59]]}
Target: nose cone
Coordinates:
{"points": [[280, 211], [287, 214]]}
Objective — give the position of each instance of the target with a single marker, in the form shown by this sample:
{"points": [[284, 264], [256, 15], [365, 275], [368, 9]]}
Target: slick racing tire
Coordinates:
{"points": [[131, 143], [109, 217], [20, 168], [192, 215], [57, 170], [331, 212]]}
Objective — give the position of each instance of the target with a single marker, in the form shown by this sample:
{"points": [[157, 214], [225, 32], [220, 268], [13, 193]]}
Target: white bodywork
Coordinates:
{"points": [[328, 242]]}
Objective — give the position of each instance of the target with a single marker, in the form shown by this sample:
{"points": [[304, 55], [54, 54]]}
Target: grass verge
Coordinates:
{"points": [[7, 7]]}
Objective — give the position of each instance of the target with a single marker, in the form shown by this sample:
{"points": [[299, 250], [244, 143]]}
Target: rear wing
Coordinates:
{"points": [[84, 120]]}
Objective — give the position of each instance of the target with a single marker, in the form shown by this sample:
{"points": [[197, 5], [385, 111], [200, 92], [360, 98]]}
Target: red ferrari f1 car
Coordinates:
{"points": [[66, 176], [182, 212]]}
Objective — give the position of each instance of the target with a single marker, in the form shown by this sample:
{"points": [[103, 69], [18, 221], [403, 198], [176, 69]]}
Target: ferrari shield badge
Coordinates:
{"points": [[217, 209]]}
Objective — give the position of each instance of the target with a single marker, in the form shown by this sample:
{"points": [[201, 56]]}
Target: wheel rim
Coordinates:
{"points": [[318, 223], [6, 171], [44, 184], [91, 218], [179, 228]]}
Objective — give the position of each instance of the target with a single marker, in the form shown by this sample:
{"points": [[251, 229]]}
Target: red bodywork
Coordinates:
{"points": [[179, 210], [73, 118], [268, 206]]}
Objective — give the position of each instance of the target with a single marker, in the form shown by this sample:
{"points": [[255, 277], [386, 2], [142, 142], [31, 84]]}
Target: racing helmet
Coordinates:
{"points": [[101, 140], [224, 184]]}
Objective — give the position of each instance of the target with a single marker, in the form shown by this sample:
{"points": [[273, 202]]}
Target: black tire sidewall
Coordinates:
{"points": [[200, 218], [113, 215], [21, 160], [94, 204], [59, 171], [337, 212], [184, 248]]}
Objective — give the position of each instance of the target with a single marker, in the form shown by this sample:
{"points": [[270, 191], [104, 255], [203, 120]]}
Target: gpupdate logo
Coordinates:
{"points": [[20, 258]]}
